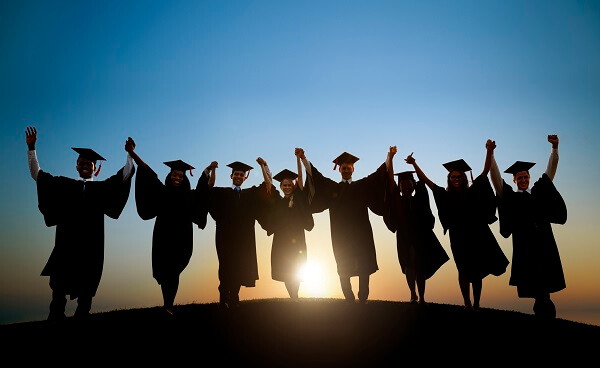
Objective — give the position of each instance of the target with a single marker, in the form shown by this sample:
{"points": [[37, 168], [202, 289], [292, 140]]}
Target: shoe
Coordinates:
{"points": [[468, 308], [362, 301], [422, 302], [413, 301]]}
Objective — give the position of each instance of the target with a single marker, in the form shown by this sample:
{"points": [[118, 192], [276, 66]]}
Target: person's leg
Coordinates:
{"points": [[411, 281], [465, 290], [224, 294], [84, 305], [544, 307], [477, 285], [234, 295], [57, 306], [292, 288], [363, 288], [347, 288], [421, 287]]}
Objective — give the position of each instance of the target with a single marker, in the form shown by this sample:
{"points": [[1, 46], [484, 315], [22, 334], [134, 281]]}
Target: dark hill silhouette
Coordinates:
{"points": [[308, 333]]}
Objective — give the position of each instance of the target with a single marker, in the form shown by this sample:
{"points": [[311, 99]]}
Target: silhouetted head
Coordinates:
{"points": [[406, 182], [457, 179], [238, 172], [286, 181], [86, 162], [346, 163]]}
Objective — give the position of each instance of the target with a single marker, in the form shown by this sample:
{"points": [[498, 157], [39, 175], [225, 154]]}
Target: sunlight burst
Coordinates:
{"points": [[312, 280]]}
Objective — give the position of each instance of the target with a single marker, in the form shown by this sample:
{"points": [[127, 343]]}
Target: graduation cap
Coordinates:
{"points": [[457, 165], [90, 154], [179, 165], [285, 174], [344, 158], [405, 175], [240, 166], [519, 166]]}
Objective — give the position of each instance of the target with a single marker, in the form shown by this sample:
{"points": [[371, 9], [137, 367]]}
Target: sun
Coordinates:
{"points": [[312, 280]]}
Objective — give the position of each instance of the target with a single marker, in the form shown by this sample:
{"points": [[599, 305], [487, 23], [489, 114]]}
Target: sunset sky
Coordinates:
{"points": [[235, 80]]}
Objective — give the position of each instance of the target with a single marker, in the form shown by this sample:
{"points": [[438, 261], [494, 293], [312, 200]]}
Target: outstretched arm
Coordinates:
{"points": [[32, 161], [390, 162], [490, 145], [495, 176], [298, 159], [266, 173], [130, 148], [553, 160], [211, 172], [300, 153], [420, 174]]}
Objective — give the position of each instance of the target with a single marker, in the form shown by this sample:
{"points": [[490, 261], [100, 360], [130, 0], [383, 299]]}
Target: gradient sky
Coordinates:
{"points": [[235, 80]]}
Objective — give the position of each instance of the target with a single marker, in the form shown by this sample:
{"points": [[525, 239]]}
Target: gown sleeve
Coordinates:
{"points": [[148, 191], [553, 207], [325, 189], [390, 216], [484, 199], [376, 189], [504, 204], [50, 194], [200, 198], [117, 193], [425, 213], [264, 204]]}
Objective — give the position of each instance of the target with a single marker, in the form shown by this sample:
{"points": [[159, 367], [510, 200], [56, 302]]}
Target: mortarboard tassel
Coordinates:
{"points": [[191, 171], [247, 175], [98, 171], [336, 165], [471, 172]]}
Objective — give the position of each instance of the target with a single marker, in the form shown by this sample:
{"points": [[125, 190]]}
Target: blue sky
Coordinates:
{"points": [[235, 80]]}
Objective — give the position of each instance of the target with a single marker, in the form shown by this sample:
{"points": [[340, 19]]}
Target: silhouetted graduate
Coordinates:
{"points": [[420, 253], [466, 213], [527, 215], [235, 211], [349, 202], [176, 208], [289, 216], [77, 208]]}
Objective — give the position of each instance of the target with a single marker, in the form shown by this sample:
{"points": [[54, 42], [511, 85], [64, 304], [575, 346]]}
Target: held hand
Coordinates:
{"points": [[299, 152], [553, 138], [30, 137], [213, 165], [129, 145], [490, 145], [393, 151], [261, 162], [410, 159]]}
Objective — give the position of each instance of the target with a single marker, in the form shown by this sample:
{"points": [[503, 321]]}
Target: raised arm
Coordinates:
{"points": [[211, 172], [298, 159], [31, 139], [130, 148], [266, 173], [390, 162], [495, 176], [300, 153], [553, 160], [420, 174], [490, 145]]}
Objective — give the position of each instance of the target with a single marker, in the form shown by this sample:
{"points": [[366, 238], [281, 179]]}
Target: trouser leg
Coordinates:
{"points": [[347, 288], [363, 287], [84, 305], [57, 306]]}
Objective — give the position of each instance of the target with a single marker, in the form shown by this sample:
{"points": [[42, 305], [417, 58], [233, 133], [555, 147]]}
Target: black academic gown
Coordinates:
{"points": [[287, 224], [536, 266], [175, 210], [411, 218], [349, 204], [77, 210], [235, 239], [467, 216]]}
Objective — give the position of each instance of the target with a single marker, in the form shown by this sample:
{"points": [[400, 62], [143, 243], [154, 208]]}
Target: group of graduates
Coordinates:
{"points": [[77, 208]]}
